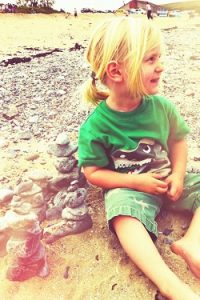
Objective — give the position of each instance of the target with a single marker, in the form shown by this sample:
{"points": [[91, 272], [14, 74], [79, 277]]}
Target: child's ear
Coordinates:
{"points": [[114, 71]]}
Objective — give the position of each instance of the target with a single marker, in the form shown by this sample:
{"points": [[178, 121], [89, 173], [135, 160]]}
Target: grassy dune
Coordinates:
{"points": [[189, 5]]}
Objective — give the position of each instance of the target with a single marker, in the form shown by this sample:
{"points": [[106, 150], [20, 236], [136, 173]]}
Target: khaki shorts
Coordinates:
{"points": [[145, 207]]}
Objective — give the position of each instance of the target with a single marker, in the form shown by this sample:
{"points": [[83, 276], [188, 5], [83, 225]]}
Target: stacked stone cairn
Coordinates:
{"points": [[70, 187], [20, 235], [41, 197]]}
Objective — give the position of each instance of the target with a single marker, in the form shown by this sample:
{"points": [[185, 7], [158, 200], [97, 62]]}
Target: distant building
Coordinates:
{"points": [[2, 7], [139, 4]]}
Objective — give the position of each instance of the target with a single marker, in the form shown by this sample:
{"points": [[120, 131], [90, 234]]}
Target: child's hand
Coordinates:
{"points": [[175, 184], [151, 183]]}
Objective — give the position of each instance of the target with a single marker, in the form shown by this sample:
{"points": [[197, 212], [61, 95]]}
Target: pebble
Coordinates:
{"points": [[5, 195], [59, 182], [167, 231], [65, 165], [39, 175], [168, 241], [3, 143], [32, 156], [62, 139], [62, 150], [24, 186], [66, 273], [189, 93], [21, 208], [25, 135], [70, 199], [64, 228], [53, 213], [34, 190], [75, 214]]}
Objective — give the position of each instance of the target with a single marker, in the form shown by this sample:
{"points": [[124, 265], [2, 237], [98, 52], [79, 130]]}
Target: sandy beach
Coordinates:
{"points": [[90, 265], [57, 30]]}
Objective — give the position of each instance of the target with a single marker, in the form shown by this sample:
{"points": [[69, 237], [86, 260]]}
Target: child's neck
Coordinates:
{"points": [[123, 105]]}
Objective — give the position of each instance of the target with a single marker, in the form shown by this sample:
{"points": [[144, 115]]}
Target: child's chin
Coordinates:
{"points": [[153, 92], [156, 90]]}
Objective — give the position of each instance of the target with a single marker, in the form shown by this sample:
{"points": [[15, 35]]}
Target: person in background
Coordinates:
{"points": [[75, 13], [149, 11], [133, 146]]}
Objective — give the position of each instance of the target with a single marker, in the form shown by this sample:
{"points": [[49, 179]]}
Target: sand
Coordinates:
{"points": [[98, 268]]}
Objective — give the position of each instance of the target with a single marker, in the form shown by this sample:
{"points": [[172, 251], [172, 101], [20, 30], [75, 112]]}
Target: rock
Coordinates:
{"points": [[34, 190], [24, 186], [40, 178], [82, 182], [25, 135], [52, 234], [40, 212], [6, 195], [39, 175], [4, 237], [21, 273], [3, 143], [32, 156], [62, 139], [167, 231], [189, 93], [11, 112], [17, 272], [53, 213], [75, 214], [33, 201], [185, 226], [75, 174], [65, 165], [62, 150], [15, 220], [44, 270], [70, 199], [26, 254], [72, 188], [168, 241], [59, 199], [33, 119], [59, 182], [25, 246], [37, 200], [21, 208]]}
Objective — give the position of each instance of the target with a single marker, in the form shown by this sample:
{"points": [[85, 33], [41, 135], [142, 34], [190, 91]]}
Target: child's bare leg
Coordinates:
{"points": [[189, 246], [138, 245]]}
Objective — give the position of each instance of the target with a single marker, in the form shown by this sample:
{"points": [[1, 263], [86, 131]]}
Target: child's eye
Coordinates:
{"points": [[151, 59]]}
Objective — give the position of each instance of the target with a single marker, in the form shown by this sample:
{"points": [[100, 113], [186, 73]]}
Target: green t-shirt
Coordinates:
{"points": [[135, 141]]}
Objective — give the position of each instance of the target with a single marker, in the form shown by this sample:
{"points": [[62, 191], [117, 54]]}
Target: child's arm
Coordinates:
{"points": [[146, 182], [178, 157]]}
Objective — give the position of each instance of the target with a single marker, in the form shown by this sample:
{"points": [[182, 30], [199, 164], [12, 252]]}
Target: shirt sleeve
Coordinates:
{"points": [[91, 151], [178, 127]]}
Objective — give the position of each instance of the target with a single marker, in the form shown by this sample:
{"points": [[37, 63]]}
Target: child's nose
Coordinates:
{"points": [[160, 67]]}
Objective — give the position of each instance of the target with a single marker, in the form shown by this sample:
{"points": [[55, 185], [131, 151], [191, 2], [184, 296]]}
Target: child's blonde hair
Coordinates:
{"points": [[126, 41]]}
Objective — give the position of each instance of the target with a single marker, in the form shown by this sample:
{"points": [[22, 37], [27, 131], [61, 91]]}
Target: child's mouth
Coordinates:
{"points": [[155, 80]]}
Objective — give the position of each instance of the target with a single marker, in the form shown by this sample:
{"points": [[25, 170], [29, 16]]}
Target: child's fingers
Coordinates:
{"points": [[162, 184], [161, 190], [156, 175], [173, 194]]}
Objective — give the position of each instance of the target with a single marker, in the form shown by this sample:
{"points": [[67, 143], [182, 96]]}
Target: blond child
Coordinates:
{"points": [[133, 146]]}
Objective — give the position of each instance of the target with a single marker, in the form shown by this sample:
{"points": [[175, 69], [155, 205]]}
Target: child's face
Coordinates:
{"points": [[151, 71]]}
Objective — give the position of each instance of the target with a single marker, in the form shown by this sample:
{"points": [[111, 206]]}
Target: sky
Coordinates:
{"points": [[69, 5]]}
